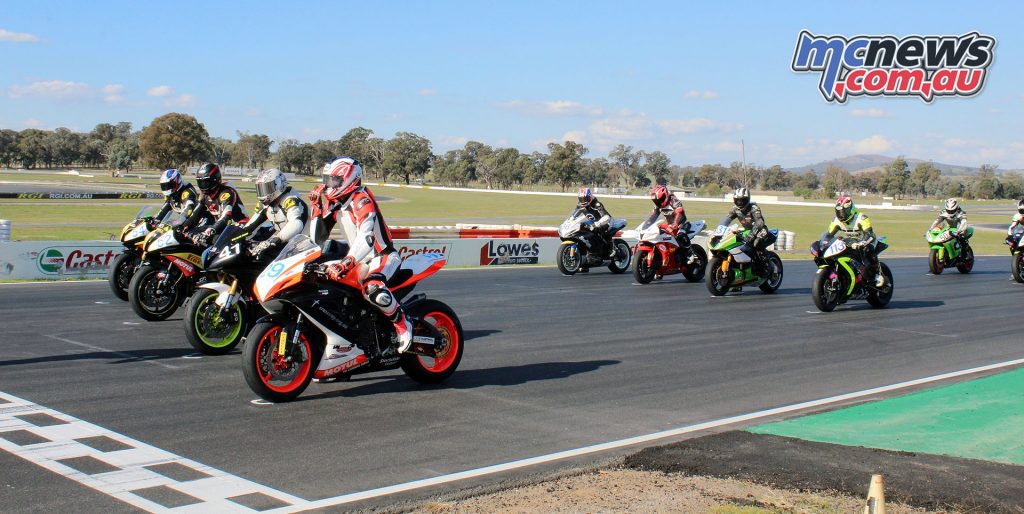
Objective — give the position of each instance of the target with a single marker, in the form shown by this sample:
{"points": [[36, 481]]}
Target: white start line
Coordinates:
{"points": [[158, 481]]}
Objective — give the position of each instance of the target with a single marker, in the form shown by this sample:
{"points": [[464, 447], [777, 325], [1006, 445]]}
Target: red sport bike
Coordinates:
{"points": [[657, 254], [317, 328]]}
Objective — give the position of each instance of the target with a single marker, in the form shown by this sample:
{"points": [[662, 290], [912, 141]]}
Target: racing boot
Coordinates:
{"points": [[404, 330], [879, 276]]}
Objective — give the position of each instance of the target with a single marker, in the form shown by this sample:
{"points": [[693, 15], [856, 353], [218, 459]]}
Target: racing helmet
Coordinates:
{"points": [[585, 196], [952, 206], [741, 197], [208, 177], [845, 210], [170, 182], [342, 177], [270, 184], [660, 196], [1020, 206]]}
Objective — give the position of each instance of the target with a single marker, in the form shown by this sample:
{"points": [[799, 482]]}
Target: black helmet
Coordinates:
{"points": [[741, 197], [1020, 206], [208, 177]]}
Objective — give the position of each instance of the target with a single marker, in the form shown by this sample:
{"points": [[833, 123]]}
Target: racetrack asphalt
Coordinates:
{"points": [[551, 363]]}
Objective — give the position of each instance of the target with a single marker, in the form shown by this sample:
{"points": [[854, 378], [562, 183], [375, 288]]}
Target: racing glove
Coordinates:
{"points": [[314, 194], [262, 247], [338, 270]]}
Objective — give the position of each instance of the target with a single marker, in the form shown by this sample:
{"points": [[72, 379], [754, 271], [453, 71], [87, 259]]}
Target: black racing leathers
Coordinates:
{"points": [[751, 219], [222, 204], [597, 212], [182, 202]]}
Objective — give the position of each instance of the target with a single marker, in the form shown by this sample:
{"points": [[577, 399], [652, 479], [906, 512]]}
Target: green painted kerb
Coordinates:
{"points": [[979, 419]]}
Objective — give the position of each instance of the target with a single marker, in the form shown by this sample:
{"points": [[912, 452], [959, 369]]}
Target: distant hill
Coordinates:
{"points": [[869, 162]]}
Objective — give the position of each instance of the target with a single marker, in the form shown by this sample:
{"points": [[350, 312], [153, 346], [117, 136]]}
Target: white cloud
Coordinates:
{"points": [[452, 141], [874, 144], [32, 123], [392, 117], [184, 100], [625, 125], [552, 108], [427, 92], [696, 125], [17, 37], [161, 91], [113, 99], [725, 147], [253, 111], [873, 112], [707, 95], [578, 136], [51, 89], [113, 89]]}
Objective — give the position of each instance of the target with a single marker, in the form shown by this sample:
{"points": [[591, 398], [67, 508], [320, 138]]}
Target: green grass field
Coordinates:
{"points": [[88, 219]]}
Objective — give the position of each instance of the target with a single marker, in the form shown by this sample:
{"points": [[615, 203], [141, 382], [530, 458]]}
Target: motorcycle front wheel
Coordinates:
{"points": [[434, 370], [934, 262], [643, 272], [210, 329], [120, 274], [150, 297], [826, 290], [718, 281], [1017, 267], [569, 259], [274, 376]]}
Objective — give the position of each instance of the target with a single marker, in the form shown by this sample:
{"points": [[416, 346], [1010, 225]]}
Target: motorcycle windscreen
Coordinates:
{"points": [[286, 270]]}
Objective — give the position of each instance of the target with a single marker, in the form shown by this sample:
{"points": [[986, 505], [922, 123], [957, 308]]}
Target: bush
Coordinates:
{"points": [[803, 192], [712, 189]]}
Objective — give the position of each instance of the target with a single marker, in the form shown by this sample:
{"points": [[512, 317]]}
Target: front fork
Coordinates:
{"points": [[284, 351], [226, 299]]}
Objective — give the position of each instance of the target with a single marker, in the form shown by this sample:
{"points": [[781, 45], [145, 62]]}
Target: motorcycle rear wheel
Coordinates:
{"points": [[206, 328], [774, 280], [879, 299], [434, 370], [569, 263], [620, 263], [696, 272], [144, 299], [966, 263], [717, 281], [121, 272], [642, 272], [273, 377]]}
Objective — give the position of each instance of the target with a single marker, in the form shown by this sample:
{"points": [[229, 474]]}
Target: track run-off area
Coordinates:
{"points": [[100, 410]]}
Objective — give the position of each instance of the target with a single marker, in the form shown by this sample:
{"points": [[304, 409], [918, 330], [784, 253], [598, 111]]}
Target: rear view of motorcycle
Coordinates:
{"points": [[321, 329], [583, 247]]}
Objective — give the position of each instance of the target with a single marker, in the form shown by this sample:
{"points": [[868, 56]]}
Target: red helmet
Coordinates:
{"points": [[660, 196], [585, 196], [341, 177]]}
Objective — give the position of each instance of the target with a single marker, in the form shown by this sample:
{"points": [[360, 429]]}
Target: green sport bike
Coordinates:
{"points": [[945, 250], [732, 264], [842, 276]]}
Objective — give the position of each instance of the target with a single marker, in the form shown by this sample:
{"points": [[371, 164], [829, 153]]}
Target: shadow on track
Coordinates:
{"points": [[900, 304], [470, 379], [117, 357], [477, 334]]}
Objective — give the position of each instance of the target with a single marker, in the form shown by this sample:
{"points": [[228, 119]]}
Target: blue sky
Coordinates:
{"points": [[689, 79]]}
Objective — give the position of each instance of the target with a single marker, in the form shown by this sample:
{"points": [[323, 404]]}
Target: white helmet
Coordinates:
{"points": [[342, 177], [741, 197], [271, 184], [170, 182], [952, 205]]}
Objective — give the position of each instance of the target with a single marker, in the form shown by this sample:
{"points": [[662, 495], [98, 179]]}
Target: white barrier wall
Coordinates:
{"points": [[54, 260]]}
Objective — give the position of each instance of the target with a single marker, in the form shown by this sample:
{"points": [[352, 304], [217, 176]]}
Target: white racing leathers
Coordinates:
{"points": [[287, 213]]}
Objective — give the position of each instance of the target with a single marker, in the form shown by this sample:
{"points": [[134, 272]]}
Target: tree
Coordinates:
{"points": [[407, 155], [808, 181], [123, 153], [836, 180], [1013, 185], [506, 171], [626, 164], [253, 149], [774, 178], [656, 165], [355, 143], [293, 157], [924, 177], [65, 146], [895, 179], [8, 147], [32, 147], [451, 169], [223, 151], [375, 161], [597, 172], [986, 185], [174, 140], [564, 163], [535, 174], [480, 163]]}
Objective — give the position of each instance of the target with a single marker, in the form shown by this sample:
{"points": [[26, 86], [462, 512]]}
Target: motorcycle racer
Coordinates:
{"points": [[1018, 219], [954, 217], [596, 211], [668, 205], [220, 202], [179, 197], [856, 227], [748, 214], [285, 210], [343, 199]]}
